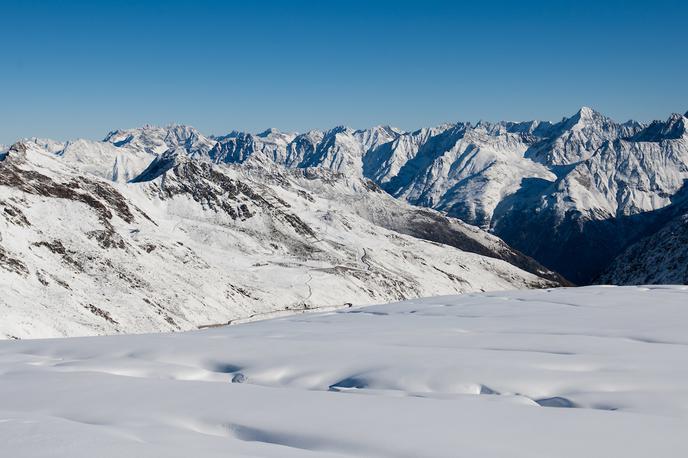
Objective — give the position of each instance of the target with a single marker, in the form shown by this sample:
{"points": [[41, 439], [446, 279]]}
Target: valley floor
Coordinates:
{"points": [[572, 372]]}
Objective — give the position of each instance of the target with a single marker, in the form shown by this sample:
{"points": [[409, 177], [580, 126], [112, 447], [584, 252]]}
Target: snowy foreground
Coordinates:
{"points": [[587, 372]]}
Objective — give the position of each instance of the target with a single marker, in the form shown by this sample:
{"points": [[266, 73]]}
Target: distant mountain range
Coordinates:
{"points": [[573, 194], [186, 228], [151, 236]]}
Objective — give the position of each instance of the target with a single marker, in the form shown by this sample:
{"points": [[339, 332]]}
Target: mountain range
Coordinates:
{"points": [[573, 194], [164, 228], [97, 238]]}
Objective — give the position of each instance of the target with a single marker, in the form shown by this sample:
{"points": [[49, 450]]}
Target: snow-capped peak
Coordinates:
{"points": [[586, 113], [268, 132], [585, 117]]}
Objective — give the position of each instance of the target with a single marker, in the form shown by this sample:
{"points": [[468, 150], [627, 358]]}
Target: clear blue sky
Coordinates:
{"points": [[82, 68]]}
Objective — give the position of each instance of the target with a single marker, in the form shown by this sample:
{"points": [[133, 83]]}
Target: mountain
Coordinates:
{"points": [[156, 140], [572, 194], [187, 242], [568, 194], [661, 258]]}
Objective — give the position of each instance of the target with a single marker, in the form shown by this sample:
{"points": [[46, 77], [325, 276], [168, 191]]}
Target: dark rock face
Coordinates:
{"points": [[578, 246], [102, 198], [660, 258], [12, 264], [218, 192]]}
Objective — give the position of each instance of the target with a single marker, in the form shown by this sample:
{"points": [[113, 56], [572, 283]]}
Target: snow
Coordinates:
{"points": [[207, 244], [105, 160], [580, 179], [586, 168], [594, 372]]}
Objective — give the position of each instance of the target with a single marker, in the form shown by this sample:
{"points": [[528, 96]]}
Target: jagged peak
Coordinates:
{"points": [[146, 128], [587, 113], [18, 147], [483, 124], [386, 128], [313, 135], [438, 129], [584, 117], [339, 130], [233, 134], [383, 130], [673, 128], [269, 131]]}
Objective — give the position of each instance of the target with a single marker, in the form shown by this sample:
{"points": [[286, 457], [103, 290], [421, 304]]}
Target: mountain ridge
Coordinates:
{"points": [[192, 243], [572, 181]]}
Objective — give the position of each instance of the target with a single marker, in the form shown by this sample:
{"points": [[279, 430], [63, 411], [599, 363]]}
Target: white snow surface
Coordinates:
{"points": [[583, 372]]}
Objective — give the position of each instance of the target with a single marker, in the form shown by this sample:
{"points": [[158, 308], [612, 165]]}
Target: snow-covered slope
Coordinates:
{"points": [[156, 140], [592, 372], [193, 243]]}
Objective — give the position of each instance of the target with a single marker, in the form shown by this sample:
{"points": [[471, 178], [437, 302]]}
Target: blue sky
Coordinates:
{"points": [[80, 69]]}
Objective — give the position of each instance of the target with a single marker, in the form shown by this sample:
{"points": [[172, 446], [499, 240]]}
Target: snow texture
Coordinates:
{"points": [[584, 372]]}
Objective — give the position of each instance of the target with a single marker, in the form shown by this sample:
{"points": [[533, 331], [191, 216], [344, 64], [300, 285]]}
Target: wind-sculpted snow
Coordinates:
{"points": [[586, 372], [190, 243]]}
